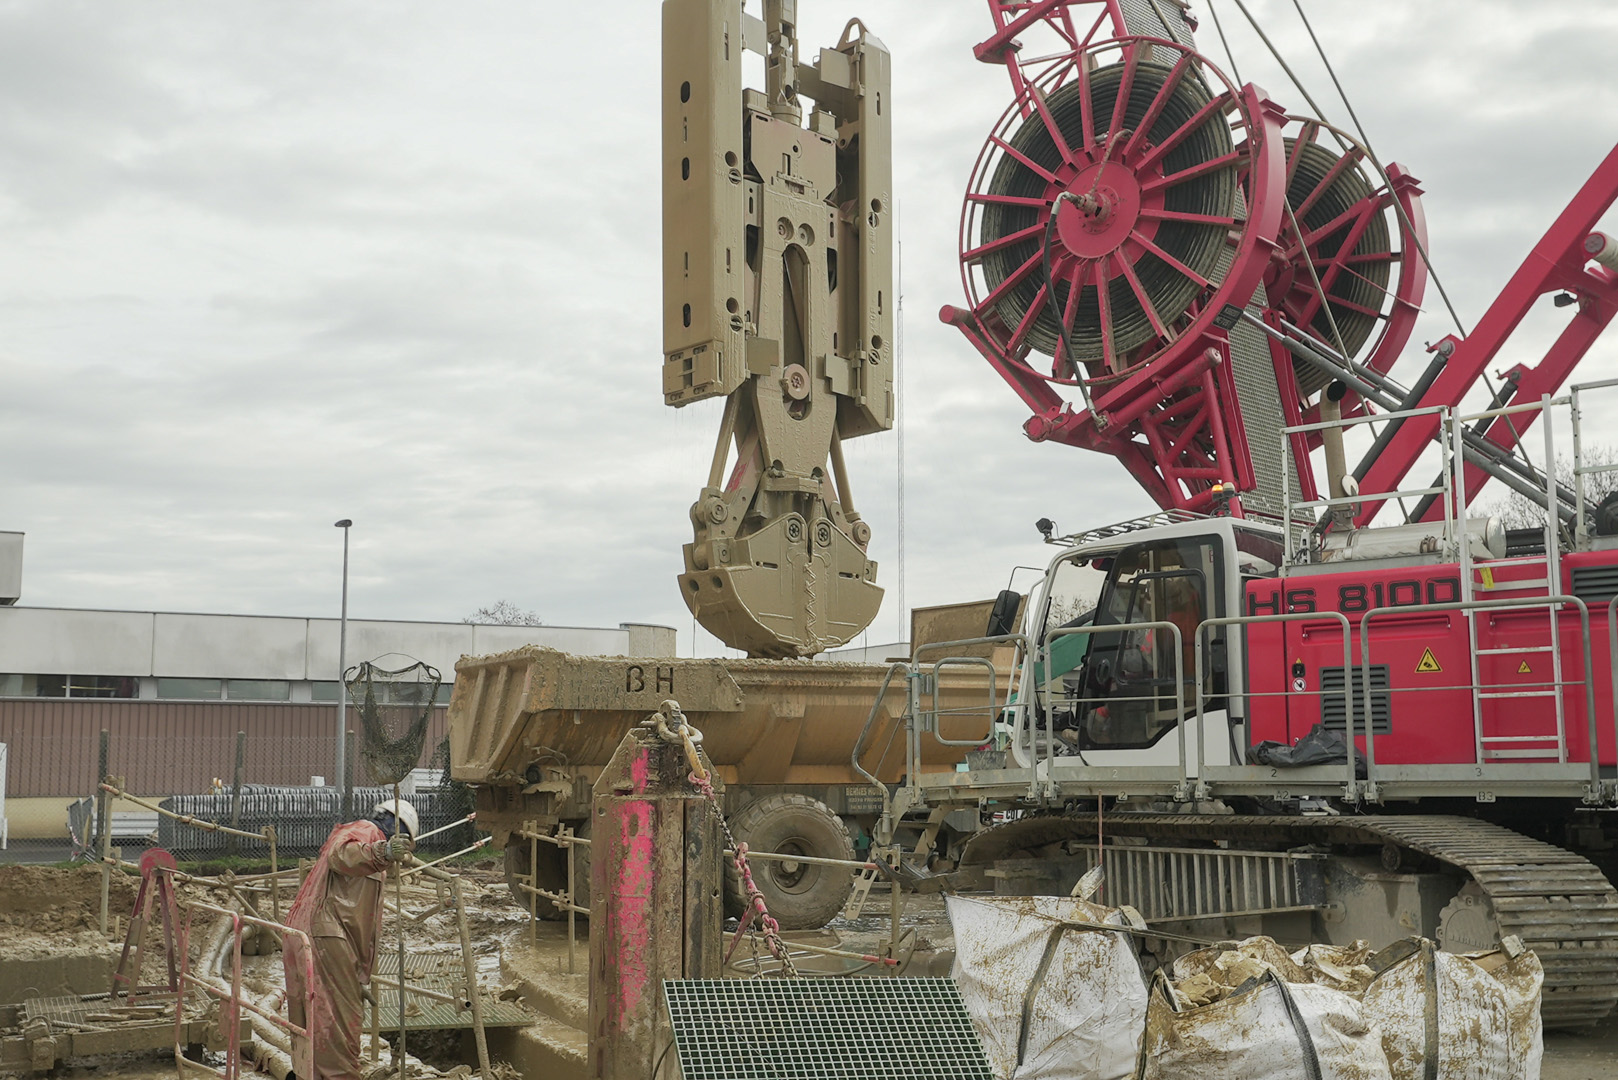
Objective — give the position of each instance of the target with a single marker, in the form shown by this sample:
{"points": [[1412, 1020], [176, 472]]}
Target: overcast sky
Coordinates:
{"points": [[267, 265]]}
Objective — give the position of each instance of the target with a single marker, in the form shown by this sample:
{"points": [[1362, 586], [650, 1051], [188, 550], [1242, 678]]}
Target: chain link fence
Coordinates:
{"points": [[49, 811]]}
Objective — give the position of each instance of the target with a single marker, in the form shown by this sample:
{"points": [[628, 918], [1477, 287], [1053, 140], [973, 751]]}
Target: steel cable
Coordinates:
{"points": [[1460, 328], [1196, 245]]}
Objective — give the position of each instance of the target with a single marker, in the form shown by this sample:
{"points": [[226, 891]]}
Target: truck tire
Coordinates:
{"points": [[800, 897], [552, 872]]}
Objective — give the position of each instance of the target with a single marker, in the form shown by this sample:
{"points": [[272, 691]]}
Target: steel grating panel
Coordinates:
{"points": [[100, 1011], [428, 1014], [417, 965], [806, 1029]]}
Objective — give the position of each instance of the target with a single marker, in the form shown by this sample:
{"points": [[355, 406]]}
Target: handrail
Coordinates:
{"points": [[994, 705], [934, 646], [913, 698], [1352, 786], [1351, 421], [1358, 698], [1539, 404], [1444, 488], [859, 743], [232, 1002], [1179, 679], [1525, 603], [1581, 520]]}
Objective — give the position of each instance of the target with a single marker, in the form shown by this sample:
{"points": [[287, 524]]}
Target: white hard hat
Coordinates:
{"points": [[402, 811]]}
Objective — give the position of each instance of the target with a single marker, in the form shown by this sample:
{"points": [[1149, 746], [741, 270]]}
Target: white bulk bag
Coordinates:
{"points": [[1479, 1012], [1050, 1001], [1265, 1029]]}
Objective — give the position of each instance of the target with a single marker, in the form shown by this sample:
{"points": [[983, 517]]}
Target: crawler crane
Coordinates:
{"points": [[1169, 267]]}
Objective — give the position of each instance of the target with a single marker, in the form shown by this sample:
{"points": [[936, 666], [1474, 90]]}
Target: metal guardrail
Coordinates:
{"points": [[1177, 655], [232, 1003], [1034, 750], [1581, 522], [1351, 781], [936, 712], [865, 733], [1612, 649], [108, 791], [565, 839], [1596, 791], [1290, 505], [915, 676], [918, 678]]}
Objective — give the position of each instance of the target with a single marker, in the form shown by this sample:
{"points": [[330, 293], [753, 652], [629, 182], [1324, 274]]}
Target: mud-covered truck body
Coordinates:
{"points": [[532, 729]]}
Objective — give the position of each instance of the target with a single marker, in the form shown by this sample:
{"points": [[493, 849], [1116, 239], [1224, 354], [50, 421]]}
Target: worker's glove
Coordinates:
{"points": [[396, 848]]}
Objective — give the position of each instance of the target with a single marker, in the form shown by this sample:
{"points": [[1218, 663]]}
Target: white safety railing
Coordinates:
{"points": [[1581, 469], [1444, 489], [1040, 771]]}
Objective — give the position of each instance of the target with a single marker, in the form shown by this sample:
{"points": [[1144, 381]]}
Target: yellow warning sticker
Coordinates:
{"points": [[1428, 664], [1524, 669], [1488, 577]]}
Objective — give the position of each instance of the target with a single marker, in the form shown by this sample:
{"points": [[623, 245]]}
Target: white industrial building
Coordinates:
{"points": [[160, 655], [172, 690], [186, 656]]}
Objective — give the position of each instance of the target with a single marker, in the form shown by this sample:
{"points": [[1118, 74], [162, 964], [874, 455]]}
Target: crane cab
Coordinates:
{"points": [[1118, 695]]}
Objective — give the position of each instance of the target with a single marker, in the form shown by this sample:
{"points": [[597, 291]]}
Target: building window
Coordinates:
{"points": [[78, 686], [323, 691], [258, 690], [102, 686], [33, 686], [190, 689]]}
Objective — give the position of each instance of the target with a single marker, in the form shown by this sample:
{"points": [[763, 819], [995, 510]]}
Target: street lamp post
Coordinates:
{"points": [[342, 686]]}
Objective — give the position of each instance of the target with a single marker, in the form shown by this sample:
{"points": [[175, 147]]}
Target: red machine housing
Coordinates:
{"points": [[1424, 714]]}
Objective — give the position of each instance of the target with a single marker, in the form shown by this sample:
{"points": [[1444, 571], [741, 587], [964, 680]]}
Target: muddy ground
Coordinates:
{"points": [[55, 912], [45, 910], [52, 911]]}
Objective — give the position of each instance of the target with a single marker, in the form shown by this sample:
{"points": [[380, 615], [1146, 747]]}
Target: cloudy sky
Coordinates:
{"points": [[267, 265]]}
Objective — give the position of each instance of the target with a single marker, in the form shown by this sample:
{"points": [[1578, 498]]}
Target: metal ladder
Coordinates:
{"points": [[1514, 747]]}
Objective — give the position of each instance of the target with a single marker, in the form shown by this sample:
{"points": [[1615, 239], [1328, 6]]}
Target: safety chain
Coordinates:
{"points": [[673, 727]]}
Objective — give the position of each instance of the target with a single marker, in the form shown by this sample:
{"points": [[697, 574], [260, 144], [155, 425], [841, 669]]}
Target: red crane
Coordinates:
{"points": [[1169, 268]]}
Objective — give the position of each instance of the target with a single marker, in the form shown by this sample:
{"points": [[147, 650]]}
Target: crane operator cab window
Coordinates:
{"points": [[1116, 689]]}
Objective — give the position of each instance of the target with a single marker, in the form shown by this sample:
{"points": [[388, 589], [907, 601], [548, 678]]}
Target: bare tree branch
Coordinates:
{"points": [[503, 613]]}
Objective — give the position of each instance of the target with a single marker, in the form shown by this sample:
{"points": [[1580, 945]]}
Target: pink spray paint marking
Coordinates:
{"points": [[632, 900]]}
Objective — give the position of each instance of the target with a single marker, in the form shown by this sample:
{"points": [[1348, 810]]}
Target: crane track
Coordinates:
{"points": [[1557, 902]]}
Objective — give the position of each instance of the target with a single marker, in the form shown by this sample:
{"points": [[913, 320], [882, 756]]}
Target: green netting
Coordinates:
{"points": [[394, 706]]}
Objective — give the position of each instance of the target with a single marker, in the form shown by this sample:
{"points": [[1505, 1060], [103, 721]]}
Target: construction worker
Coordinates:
{"points": [[340, 908]]}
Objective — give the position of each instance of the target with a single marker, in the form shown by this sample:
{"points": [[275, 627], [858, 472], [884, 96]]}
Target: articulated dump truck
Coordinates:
{"points": [[532, 729]]}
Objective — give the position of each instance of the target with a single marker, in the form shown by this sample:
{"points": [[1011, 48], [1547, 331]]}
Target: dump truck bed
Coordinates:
{"points": [[515, 714]]}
